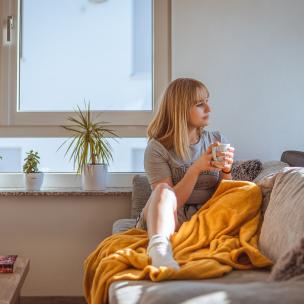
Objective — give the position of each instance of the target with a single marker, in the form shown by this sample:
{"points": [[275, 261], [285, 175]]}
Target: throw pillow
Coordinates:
{"points": [[290, 265], [246, 170], [266, 180], [283, 223]]}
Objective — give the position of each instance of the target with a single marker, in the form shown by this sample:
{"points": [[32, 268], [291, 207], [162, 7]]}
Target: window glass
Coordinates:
{"points": [[94, 50], [128, 154]]}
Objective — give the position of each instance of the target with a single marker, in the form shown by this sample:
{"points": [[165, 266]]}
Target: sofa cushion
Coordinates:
{"points": [[240, 286], [266, 178], [246, 170], [140, 194], [132, 291], [283, 223], [270, 168], [290, 265], [122, 225]]}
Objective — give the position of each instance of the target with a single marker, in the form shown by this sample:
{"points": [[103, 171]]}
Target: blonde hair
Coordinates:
{"points": [[170, 124]]}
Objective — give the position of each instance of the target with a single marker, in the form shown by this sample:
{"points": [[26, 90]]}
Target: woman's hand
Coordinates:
{"points": [[206, 162], [228, 160]]}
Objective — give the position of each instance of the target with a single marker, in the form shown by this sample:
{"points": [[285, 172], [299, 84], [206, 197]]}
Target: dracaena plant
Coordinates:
{"points": [[31, 162], [88, 144]]}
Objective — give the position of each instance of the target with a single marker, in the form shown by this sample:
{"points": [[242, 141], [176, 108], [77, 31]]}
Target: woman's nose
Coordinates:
{"points": [[207, 109]]}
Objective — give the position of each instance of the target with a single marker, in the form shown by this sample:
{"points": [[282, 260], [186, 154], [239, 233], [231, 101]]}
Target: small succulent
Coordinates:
{"points": [[31, 162]]}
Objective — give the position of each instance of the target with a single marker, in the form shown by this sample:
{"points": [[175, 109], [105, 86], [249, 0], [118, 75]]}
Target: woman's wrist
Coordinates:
{"points": [[195, 169], [227, 172]]}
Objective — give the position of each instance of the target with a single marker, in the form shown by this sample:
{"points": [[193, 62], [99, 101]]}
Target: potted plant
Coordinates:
{"points": [[89, 148], [32, 177]]}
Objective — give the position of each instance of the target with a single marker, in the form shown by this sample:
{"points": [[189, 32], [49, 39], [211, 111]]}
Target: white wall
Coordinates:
{"points": [[250, 55]]}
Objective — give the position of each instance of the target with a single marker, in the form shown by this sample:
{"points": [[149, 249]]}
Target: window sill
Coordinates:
{"points": [[58, 181], [111, 191]]}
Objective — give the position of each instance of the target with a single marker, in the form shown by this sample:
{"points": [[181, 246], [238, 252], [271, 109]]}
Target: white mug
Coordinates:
{"points": [[220, 148]]}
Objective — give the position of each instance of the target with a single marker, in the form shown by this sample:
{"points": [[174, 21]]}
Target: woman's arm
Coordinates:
{"points": [[184, 187]]}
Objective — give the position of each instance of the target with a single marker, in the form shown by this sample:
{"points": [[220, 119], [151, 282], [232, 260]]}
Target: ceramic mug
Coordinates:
{"points": [[220, 148]]}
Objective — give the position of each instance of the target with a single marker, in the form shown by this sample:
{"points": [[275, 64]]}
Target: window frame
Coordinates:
{"points": [[48, 124], [125, 123]]}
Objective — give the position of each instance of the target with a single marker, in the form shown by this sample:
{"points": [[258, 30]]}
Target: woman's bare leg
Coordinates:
{"points": [[160, 211], [161, 216]]}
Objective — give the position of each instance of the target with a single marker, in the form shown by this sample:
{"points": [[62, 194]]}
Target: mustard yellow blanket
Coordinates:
{"points": [[220, 237]]}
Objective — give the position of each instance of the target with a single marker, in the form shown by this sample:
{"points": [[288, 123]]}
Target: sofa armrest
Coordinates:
{"points": [[293, 158], [123, 225]]}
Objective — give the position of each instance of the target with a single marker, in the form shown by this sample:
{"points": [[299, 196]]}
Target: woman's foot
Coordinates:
{"points": [[160, 251]]}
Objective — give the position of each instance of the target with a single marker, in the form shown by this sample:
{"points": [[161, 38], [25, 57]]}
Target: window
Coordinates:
{"points": [[62, 52], [54, 54]]}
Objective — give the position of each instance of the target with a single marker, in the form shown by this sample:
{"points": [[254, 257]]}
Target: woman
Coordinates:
{"points": [[178, 162]]}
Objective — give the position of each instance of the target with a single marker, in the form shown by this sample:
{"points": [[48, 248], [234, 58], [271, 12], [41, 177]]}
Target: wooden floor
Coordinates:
{"points": [[52, 300]]}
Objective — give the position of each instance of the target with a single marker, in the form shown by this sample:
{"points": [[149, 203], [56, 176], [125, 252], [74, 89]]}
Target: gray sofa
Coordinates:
{"points": [[239, 286]]}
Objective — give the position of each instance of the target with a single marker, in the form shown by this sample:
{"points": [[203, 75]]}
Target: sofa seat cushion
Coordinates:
{"points": [[122, 225], [248, 287], [121, 290]]}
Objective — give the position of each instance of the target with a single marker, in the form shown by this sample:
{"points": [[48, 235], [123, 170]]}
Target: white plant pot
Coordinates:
{"points": [[94, 177], [33, 181]]}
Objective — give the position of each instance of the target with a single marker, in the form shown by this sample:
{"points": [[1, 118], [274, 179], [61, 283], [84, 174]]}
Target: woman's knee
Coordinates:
{"points": [[163, 193], [163, 187]]}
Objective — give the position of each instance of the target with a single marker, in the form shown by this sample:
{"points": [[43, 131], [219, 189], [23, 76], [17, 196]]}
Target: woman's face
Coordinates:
{"points": [[199, 113]]}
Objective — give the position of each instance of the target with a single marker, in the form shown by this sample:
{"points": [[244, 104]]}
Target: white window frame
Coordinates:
{"points": [[47, 124]]}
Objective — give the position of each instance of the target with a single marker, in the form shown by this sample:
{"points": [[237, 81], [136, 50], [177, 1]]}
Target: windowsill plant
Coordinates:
{"points": [[32, 177], [89, 148]]}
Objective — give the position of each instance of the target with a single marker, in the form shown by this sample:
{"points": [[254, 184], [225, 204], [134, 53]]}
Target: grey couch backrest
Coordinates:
{"points": [[140, 194], [142, 190]]}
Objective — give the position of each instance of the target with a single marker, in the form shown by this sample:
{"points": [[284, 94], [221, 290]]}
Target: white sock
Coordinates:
{"points": [[160, 251]]}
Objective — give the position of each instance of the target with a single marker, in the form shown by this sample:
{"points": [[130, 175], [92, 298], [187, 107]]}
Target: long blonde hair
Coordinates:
{"points": [[170, 124]]}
